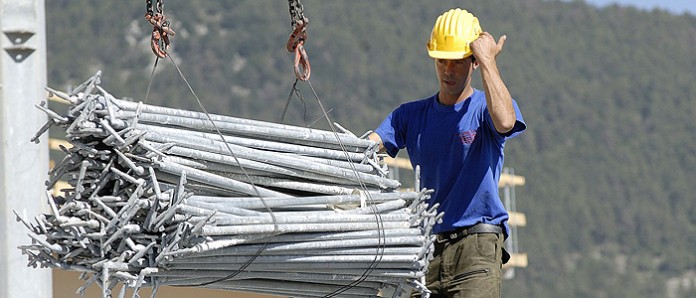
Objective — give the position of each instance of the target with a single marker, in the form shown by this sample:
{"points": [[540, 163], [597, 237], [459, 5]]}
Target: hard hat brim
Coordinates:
{"points": [[448, 55]]}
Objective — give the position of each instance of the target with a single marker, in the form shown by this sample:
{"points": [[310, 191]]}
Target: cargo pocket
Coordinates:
{"points": [[460, 278]]}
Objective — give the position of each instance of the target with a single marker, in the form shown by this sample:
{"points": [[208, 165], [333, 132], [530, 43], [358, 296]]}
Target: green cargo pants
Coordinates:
{"points": [[470, 267]]}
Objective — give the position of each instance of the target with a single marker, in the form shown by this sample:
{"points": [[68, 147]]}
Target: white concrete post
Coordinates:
{"points": [[23, 164]]}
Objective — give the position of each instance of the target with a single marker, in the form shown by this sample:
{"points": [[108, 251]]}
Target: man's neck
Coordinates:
{"points": [[450, 100]]}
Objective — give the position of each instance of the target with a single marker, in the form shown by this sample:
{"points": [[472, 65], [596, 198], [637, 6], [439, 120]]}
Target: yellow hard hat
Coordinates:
{"points": [[454, 30]]}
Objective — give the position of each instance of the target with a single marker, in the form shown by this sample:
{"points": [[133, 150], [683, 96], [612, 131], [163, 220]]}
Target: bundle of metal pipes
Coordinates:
{"points": [[163, 196]]}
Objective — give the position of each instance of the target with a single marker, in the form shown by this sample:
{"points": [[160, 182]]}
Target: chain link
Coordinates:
{"points": [[159, 5], [148, 7], [296, 13]]}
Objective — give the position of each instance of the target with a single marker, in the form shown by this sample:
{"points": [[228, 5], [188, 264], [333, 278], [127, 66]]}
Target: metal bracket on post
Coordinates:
{"points": [[23, 164], [18, 49]]}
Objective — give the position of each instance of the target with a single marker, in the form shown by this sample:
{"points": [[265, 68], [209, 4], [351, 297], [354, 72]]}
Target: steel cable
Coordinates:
{"points": [[258, 194]]}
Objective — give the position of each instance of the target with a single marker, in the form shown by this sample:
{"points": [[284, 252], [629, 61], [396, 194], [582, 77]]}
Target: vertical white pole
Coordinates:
{"points": [[23, 164]]}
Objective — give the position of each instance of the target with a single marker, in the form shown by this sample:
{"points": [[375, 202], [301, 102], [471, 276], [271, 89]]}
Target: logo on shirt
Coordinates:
{"points": [[467, 137]]}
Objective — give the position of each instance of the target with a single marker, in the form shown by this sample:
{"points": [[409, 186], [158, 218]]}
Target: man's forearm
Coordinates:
{"points": [[498, 98]]}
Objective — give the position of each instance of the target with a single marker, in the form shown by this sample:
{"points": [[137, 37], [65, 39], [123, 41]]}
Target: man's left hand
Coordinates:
{"points": [[485, 48]]}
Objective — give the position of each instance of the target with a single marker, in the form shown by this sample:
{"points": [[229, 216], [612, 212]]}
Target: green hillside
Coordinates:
{"points": [[608, 95]]}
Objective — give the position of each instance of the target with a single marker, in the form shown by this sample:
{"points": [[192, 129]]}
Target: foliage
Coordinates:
{"points": [[607, 94]]}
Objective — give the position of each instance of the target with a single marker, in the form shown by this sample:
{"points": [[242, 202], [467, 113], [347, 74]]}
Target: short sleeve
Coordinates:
{"points": [[520, 124], [392, 131]]}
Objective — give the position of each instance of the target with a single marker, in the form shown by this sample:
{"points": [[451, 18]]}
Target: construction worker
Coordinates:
{"points": [[457, 138]]}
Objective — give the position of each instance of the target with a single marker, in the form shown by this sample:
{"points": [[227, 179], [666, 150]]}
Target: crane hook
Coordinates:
{"points": [[296, 44], [159, 40]]}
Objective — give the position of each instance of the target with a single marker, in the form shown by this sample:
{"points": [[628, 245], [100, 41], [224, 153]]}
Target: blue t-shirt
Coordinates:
{"points": [[460, 155]]}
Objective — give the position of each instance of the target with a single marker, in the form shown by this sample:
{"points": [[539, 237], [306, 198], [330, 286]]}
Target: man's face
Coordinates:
{"points": [[454, 75]]}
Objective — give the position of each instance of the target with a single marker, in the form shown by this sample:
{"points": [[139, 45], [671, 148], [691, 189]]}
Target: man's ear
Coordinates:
{"points": [[476, 64]]}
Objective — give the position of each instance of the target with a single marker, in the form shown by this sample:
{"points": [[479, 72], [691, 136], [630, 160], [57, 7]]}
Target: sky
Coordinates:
{"points": [[674, 6]]}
